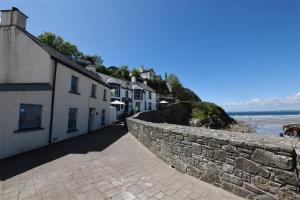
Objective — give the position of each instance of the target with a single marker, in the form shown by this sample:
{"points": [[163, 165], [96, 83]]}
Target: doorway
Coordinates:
{"points": [[91, 119]]}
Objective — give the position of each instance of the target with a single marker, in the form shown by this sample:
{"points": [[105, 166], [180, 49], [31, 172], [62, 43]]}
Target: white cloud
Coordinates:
{"points": [[280, 102]]}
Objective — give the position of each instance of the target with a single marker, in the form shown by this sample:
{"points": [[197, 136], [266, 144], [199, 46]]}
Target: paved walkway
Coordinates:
{"points": [[107, 164]]}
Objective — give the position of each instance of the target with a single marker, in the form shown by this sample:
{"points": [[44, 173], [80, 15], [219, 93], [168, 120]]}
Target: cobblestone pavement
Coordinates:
{"points": [[106, 164]]}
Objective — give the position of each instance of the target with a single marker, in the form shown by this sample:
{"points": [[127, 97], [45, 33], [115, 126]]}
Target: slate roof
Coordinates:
{"points": [[64, 59], [123, 83]]}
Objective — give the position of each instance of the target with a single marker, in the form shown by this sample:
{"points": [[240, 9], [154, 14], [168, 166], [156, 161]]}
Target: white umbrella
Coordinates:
{"points": [[117, 102], [163, 102]]}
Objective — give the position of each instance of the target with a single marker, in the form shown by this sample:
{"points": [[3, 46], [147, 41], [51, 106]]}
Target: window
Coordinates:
{"points": [[126, 93], [72, 121], [145, 105], [115, 88], [103, 117], [30, 116], [150, 106], [104, 95], [150, 95], [93, 91], [138, 94], [74, 84]]}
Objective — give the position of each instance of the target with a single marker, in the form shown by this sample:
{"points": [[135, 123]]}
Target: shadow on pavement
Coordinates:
{"points": [[94, 141]]}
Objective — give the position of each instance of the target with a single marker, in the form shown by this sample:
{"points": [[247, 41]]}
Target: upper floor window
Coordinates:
{"points": [[104, 95], [93, 91], [126, 93], [74, 84], [30, 116], [115, 88], [138, 94], [150, 95]]}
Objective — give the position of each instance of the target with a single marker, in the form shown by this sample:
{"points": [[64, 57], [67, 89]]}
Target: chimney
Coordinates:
{"points": [[13, 17], [133, 79], [145, 82]]}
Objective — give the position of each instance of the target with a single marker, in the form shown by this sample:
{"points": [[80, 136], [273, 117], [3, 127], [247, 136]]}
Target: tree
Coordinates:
{"points": [[173, 80], [123, 72], [136, 72], [69, 49]]}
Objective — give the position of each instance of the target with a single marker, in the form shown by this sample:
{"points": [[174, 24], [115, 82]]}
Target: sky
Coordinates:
{"points": [[240, 54]]}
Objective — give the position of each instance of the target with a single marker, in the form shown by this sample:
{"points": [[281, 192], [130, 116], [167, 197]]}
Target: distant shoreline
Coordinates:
{"points": [[264, 113], [269, 125]]}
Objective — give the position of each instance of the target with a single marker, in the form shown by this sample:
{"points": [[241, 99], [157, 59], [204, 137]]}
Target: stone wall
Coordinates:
{"points": [[249, 165]]}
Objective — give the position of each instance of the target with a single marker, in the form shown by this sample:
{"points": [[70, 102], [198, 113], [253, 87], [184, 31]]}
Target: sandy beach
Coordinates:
{"points": [[271, 125]]}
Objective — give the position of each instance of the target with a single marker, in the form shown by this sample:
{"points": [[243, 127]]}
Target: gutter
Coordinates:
{"points": [[52, 102]]}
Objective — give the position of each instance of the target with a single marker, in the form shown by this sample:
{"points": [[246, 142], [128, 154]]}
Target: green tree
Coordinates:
{"points": [[123, 72], [173, 80], [136, 72]]}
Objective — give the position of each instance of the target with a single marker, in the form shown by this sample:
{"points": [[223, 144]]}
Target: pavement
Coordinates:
{"points": [[106, 164]]}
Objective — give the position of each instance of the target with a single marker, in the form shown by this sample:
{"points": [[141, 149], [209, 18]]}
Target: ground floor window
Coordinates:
{"points": [[150, 106], [30, 116], [103, 117], [72, 121], [145, 105]]}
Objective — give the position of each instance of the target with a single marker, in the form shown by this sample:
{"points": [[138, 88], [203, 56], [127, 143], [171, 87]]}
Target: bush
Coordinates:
{"points": [[210, 115]]}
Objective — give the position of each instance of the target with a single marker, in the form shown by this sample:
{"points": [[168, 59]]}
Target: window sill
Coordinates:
{"points": [[28, 129], [74, 92], [73, 130], [93, 97]]}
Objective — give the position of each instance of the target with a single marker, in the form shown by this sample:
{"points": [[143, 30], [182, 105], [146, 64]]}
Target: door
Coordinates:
{"points": [[91, 119], [103, 117]]}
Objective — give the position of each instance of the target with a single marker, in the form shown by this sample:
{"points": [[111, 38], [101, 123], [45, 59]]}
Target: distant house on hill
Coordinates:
{"points": [[45, 96], [147, 73]]}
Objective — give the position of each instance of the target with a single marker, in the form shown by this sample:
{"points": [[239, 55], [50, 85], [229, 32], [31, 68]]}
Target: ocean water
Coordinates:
{"points": [[270, 122]]}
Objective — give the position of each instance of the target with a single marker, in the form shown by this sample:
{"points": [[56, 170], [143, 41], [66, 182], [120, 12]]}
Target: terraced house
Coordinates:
{"points": [[136, 96], [45, 96]]}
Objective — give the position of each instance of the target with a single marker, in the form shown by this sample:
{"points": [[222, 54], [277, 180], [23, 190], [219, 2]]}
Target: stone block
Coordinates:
{"points": [[179, 137], [228, 168], [229, 148], [286, 194], [226, 186], [192, 138], [187, 151], [179, 165], [196, 148], [220, 155], [266, 197], [241, 192], [287, 177], [232, 179], [265, 184], [253, 189], [213, 143], [268, 158], [207, 177], [246, 177], [250, 166], [193, 171]]}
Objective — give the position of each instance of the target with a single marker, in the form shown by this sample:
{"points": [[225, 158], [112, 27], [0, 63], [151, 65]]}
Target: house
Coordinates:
{"points": [[45, 96], [136, 96], [147, 73]]}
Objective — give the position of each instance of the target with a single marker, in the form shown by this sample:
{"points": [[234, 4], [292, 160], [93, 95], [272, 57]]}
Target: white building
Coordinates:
{"points": [[45, 97], [137, 97], [147, 73]]}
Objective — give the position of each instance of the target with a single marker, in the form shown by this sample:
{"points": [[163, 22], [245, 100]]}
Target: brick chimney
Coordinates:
{"points": [[13, 17]]}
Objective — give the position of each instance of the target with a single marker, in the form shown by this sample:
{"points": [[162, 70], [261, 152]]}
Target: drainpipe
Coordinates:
{"points": [[52, 102]]}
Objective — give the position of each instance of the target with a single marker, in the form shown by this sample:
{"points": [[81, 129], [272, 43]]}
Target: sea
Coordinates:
{"points": [[267, 122]]}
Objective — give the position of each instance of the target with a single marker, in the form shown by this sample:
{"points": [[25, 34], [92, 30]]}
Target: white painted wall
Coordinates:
{"points": [[22, 60], [13, 143], [65, 100]]}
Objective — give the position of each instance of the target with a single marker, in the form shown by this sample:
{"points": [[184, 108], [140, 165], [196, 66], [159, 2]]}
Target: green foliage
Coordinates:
{"points": [[123, 72], [69, 49], [211, 115], [158, 85], [136, 72], [181, 93]]}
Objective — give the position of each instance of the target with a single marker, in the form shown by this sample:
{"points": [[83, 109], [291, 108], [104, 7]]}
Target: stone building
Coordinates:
{"points": [[45, 96]]}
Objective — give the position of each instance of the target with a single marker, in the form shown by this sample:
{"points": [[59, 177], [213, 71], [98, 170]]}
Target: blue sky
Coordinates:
{"points": [[240, 54]]}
